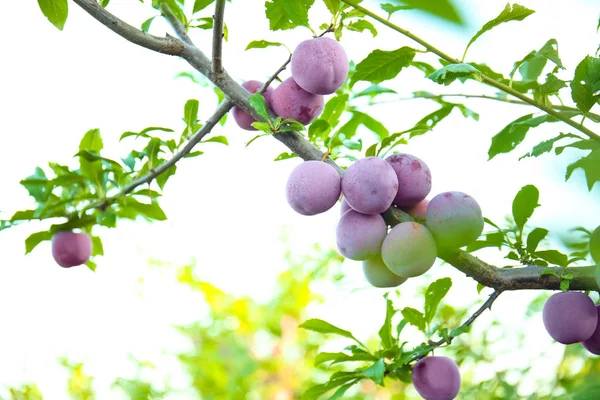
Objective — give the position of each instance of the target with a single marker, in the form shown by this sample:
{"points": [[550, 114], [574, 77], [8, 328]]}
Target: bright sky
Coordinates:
{"points": [[227, 209]]}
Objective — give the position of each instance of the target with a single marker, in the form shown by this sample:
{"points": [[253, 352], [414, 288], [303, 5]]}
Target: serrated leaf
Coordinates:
{"points": [[385, 333], [92, 141], [36, 238], [553, 257], [285, 156], [451, 72], [381, 65], [434, 295], [444, 9], [56, 11], [375, 372], [333, 6], [585, 86], [361, 25], [547, 145], [318, 325], [515, 12], [262, 44], [285, 14], [525, 202], [257, 101], [391, 8], [414, 317], [535, 237], [580, 144], [591, 167], [144, 133]]}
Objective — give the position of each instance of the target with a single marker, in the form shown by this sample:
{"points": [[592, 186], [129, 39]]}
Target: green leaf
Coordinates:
{"points": [[144, 132], [97, 247], [285, 14], [535, 237], [338, 358], [385, 333], [36, 185], [285, 156], [146, 24], [444, 9], [190, 115], [361, 25], [104, 3], [34, 239], [525, 202], [585, 86], [217, 139], [262, 44], [373, 91], [591, 167], [91, 265], [92, 141], [349, 129], [548, 88], [553, 257], [414, 317], [200, 5], [151, 211], [257, 101], [580, 144], [342, 390], [391, 9], [549, 272], [381, 65], [333, 6], [434, 295], [514, 13], [547, 145], [161, 179], [451, 72], [318, 325], [375, 372], [459, 331], [564, 284], [56, 11]]}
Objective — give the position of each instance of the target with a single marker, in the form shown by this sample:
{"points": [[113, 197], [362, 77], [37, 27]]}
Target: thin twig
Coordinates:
{"points": [[178, 27], [217, 52], [274, 76], [484, 78]]}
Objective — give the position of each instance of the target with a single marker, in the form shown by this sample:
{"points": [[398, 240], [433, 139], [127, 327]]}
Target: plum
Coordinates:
{"points": [[436, 378], [291, 101], [595, 245], [320, 65], [570, 317], [409, 249], [344, 206], [370, 185], [592, 344], [418, 210], [241, 117], [455, 219], [313, 187], [379, 275], [359, 236], [414, 179], [70, 248]]}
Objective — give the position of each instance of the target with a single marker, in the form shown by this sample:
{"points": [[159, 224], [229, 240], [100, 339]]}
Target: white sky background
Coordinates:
{"points": [[227, 208]]}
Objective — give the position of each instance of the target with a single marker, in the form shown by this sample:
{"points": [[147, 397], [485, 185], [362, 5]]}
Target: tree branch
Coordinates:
{"points": [[484, 78], [217, 52], [210, 123]]}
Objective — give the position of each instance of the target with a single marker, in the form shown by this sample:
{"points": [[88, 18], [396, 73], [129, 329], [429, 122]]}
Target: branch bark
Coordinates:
{"points": [[498, 278], [217, 53]]}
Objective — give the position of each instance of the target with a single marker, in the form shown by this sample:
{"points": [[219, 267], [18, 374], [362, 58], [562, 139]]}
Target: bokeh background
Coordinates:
{"points": [[206, 305]]}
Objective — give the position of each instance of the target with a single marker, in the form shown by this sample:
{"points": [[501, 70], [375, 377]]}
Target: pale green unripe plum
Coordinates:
{"points": [[379, 275], [455, 219], [409, 249], [359, 236], [595, 245]]}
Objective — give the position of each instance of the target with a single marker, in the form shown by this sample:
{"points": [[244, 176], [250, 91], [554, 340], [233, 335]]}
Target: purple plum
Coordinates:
{"points": [[320, 65], [370, 185], [418, 210], [70, 249], [592, 344], [414, 179], [291, 101], [359, 236], [241, 117], [570, 317], [436, 378], [344, 206], [313, 187]]}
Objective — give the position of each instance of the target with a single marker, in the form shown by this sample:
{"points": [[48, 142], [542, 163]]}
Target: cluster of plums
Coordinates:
{"points": [[369, 187], [319, 67]]}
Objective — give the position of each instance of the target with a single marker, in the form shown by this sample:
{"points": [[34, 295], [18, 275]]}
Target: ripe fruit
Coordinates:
{"points": [[359, 236], [409, 249], [313, 187], [291, 101], [570, 317], [370, 185], [455, 219], [414, 179], [241, 117], [379, 275], [595, 245], [70, 249], [419, 210], [320, 65], [436, 378], [592, 344], [344, 206]]}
